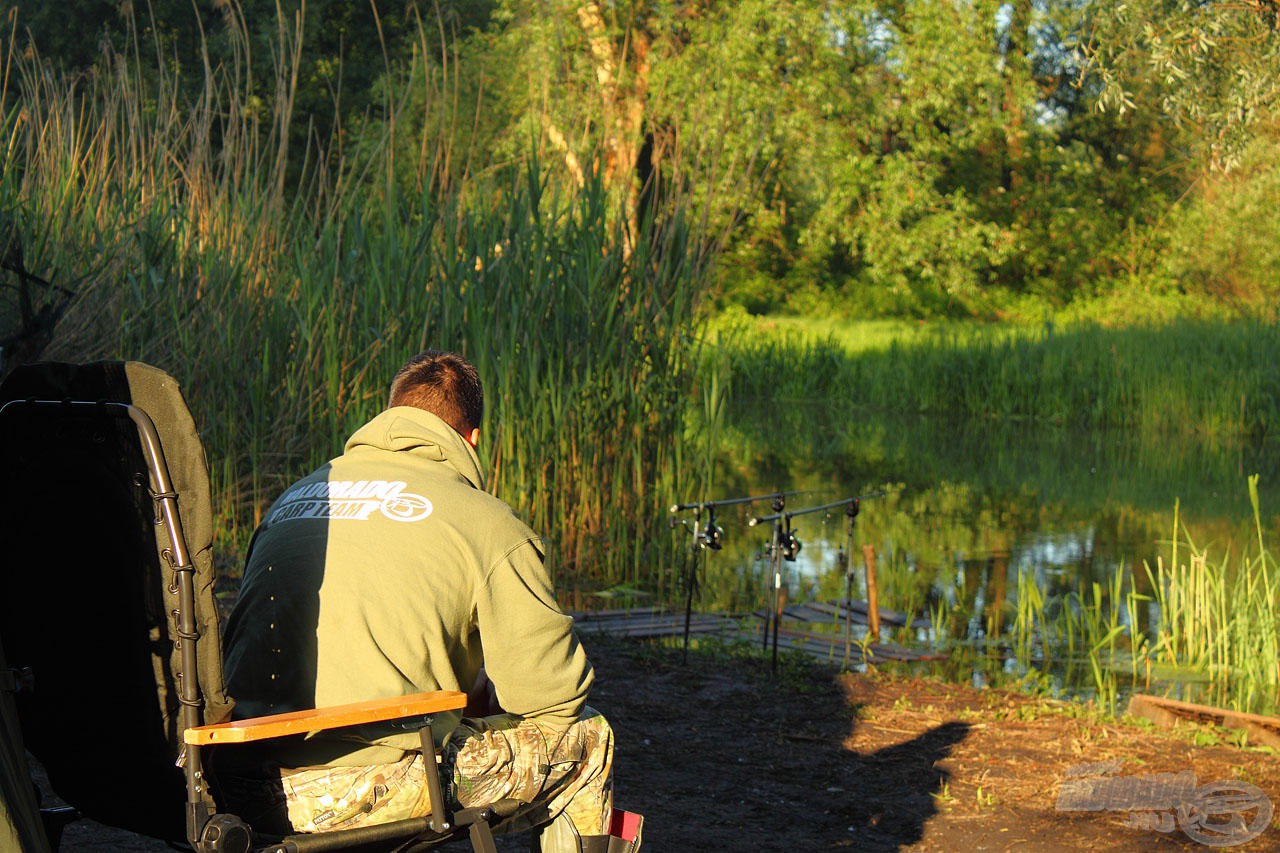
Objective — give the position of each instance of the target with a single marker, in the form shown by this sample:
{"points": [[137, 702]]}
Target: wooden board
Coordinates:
{"points": [[824, 611], [831, 647], [661, 628], [597, 615], [858, 609], [652, 622], [1166, 713], [321, 719]]}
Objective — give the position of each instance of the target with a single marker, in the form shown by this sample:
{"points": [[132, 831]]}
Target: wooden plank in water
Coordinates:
{"points": [[834, 652], [648, 623], [823, 611], [699, 626], [892, 651], [623, 621], [833, 647], [1167, 713], [814, 648], [593, 615], [803, 613], [651, 631], [658, 624], [837, 609]]}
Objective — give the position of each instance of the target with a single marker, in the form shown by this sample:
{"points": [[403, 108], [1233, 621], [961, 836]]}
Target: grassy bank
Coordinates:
{"points": [[283, 288], [1212, 379]]}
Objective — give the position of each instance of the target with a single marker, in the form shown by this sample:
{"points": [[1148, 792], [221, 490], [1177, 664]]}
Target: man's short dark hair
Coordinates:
{"points": [[444, 384]]}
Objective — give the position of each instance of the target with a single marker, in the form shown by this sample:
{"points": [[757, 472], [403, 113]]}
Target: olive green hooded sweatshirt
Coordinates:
{"points": [[391, 571]]}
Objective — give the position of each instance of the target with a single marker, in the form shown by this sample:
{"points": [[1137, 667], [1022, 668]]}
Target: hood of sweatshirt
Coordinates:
{"points": [[406, 429]]}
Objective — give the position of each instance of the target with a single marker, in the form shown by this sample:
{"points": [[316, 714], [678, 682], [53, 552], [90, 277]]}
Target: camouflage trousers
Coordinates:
{"points": [[541, 774]]}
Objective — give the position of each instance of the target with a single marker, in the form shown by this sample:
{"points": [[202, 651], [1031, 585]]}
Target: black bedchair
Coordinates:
{"points": [[110, 627]]}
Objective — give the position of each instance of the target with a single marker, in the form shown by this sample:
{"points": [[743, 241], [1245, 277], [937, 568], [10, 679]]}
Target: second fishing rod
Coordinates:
{"points": [[710, 537], [784, 545]]}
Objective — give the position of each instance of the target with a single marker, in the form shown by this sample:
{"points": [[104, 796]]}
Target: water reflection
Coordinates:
{"points": [[973, 509]]}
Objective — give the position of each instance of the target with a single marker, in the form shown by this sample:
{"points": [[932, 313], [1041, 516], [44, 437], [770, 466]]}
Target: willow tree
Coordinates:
{"points": [[1207, 74], [1212, 68], [907, 143]]}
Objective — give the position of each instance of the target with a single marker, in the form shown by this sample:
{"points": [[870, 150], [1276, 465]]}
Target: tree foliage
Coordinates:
{"points": [[907, 156], [1211, 68]]}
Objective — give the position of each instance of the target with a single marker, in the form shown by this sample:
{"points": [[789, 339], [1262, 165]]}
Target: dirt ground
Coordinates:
{"points": [[719, 754]]}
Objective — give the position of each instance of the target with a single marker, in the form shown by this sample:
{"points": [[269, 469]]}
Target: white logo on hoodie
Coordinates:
{"points": [[346, 499]]}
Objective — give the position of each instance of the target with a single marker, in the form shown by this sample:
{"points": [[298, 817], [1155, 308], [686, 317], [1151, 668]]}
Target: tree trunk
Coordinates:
{"points": [[1016, 71], [622, 80]]}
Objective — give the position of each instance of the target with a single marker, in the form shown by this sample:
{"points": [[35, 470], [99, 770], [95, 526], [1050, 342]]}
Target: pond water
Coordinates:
{"points": [[974, 516]]}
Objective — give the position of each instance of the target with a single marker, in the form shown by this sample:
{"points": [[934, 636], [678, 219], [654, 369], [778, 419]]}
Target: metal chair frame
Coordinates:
{"points": [[207, 830]]}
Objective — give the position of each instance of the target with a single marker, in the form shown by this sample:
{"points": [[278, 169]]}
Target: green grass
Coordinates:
{"points": [[852, 337], [1211, 379], [1220, 617]]}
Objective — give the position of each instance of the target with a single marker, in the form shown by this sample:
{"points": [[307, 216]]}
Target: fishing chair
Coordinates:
{"points": [[108, 619]]}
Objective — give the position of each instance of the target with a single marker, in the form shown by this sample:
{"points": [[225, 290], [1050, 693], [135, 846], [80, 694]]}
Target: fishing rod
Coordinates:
{"points": [[807, 510], [784, 545], [731, 501], [710, 537]]}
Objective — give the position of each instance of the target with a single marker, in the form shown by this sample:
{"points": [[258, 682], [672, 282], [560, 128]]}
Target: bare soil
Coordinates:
{"points": [[720, 754]]}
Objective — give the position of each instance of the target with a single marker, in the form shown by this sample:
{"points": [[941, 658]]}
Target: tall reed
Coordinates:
{"points": [[1079, 635], [1218, 623], [1221, 618], [283, 288]]}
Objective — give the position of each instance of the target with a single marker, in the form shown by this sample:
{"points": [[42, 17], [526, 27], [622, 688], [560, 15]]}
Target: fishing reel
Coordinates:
{"points": [[711, 537], [789, 546]]}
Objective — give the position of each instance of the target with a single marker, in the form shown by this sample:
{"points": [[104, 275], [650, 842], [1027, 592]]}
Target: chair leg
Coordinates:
{"points": [[440, 817], [475, 819], [482, 838]]}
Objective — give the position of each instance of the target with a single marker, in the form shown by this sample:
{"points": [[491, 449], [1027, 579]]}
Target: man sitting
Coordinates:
{"points": [[390, 571]]}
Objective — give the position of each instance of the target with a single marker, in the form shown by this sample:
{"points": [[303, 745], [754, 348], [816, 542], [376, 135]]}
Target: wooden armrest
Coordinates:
{"points": [[320, 719]]}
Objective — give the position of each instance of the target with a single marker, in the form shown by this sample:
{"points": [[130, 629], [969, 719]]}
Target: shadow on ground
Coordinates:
{"points": [[719, 755]]}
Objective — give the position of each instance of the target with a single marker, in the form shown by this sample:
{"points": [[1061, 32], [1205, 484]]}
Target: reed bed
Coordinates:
{"points": [[1082, 635], [1220, 618], [1216, 624], [1215, 380], [284, 286]]}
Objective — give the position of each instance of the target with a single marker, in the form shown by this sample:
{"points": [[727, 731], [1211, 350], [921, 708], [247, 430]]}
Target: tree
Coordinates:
{"points": [[585, 87], [1212, 67]]}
